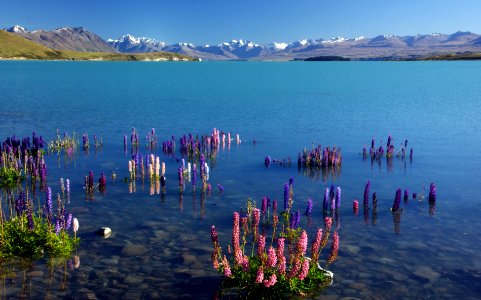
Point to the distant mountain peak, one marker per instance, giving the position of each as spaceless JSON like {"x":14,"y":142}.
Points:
{"x":17,"y":29}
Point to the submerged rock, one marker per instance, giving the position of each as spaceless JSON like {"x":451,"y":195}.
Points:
{"x":104,"y":231}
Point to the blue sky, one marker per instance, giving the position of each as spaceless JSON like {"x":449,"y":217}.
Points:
{"x":261,"y":21}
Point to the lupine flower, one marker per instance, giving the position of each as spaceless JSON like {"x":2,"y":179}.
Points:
{"x":91,"y":180}
{"x":309,"y":207}
{"x":236,"y":238}
{"x":181,"y":179}
{"x":331,"y":192}
{"x":397,"y":201}
{"x":264,"y":206}
{"x":49,"y":203}
{"x":57,"y":227}
{"x":334,"y":248}
{"x":274,"y":205}
{"x":432,"y":193}
{"x":260,"y":275}
{"x":295,"y":268}
{"x":261,"y":245}
{"x":315,"y":246}
{"x":69,"y":222}
{"x":281,"y":265}
{"x":75,"y":225}
{"x":304,"y":270}
{"x":366,"y":192}
{"x":68,"y":187}
{"x":272,"y":281}
{"x":302,"y":244}
{"x":257,"y":217}
{"x":245,"y":263}
{"x":325,"y":203}
{"x":271,"y":257}
{"x":30,"y":219}
{"x":374,"y":201}
{"x":286,"y":197}
{"x":102,"y":180}
{"x":328,"y":223}
{"x":225,"y":264}
{"x":338,"y":197}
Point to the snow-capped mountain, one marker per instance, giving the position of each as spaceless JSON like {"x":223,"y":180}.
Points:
{"x":66,"y":38}
{"x":130,"y":44}
{"x":379,"y":47}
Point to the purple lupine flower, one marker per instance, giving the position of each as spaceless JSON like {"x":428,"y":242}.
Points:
{"x":30,"y":219}
{"x":432,"y":193}
{"x":48,"y":205}
{"x":297,"y":218}
{"x":181,"y":179}
{"x":338,"y":197}
{"x":57,"y":227}
{"x":20,"y":204}
{"x":325,"y":203}
{"x":366,"y":192}
{"x":397,"y":201}
{"x":194,"y":174}
{"x":68,"y":187}
{"x":286,"y":196}
{"x":309,"y":207}
{"x":69,"y":222}
{"x":406,"y":195}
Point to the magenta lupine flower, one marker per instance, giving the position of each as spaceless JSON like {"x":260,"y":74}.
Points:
{"x":316,"y":245}
{"x":261,"y":245}
{"x":272,"y":281}
{"x":366,"y":192}
{"x":281,"y":265}
{"x":91,"y":180}
{"x":302,"y":244}
{"x":397,"y":201}
{"x":257,"y":217}
{"x":236,"y":239}
{"x":334,"y":248}
{"x":355,"y":207}
{"x":214,"y":236}
{"x":304,"y":270}
{"x":102,"y":181}
{"x":338,"y":197}
{"x":328,"y":223}
{"x":271,"y":257}
{"x":245,"y":263}
{"x":309,"y":207}
{"x":260,"y":275}
{"x":432,"y":193}
{"x":264,"y":206}
{"x":325,"y":203}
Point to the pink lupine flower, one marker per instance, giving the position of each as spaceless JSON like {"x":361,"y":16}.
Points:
{"x":281,"y":265}
{"x":304,"y":270}
{"x":235,"y":239}
{"x":295,"y":268}
{"x":271,"y":281}
{"x":260,"y":275}
{"x":328,"y":223}
{"x":257,"y":217}
{"x":302,"y":244}
{"x":245,"y":263}
{"x":334,"y":248}
{"x":271,"y":257}
{"x":316,"y":245}
{"x":225,"y":264}
{"x":280,"y":247}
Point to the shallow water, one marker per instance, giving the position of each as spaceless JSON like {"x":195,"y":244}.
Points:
{"x":160,"y":246}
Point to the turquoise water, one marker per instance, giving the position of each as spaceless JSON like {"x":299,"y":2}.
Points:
{"x":284,"y":107}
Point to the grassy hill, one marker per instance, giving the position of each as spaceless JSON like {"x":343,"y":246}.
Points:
{"x":459,"y":56}
{"x":15,"y":47}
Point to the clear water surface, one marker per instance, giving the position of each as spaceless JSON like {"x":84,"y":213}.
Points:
{"x":284,"y":107}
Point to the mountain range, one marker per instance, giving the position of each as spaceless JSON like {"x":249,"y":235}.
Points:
{"x":379,"y":47}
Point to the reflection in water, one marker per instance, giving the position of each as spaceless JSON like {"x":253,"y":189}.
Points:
{"x":396,"y":217}
{"x":366,"y":214}
{"x":432,"y":208}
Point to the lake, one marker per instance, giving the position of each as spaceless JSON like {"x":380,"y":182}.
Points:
{"x":160,"y":246}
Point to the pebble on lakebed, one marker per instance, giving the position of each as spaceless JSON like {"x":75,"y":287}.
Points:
{"x":104,"y":231}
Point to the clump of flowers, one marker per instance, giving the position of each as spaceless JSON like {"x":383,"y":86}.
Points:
{"x":319,"y":157}
{"x":257,"y":267}
{"x":377,"y":153}
{"x":32,"y":234}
